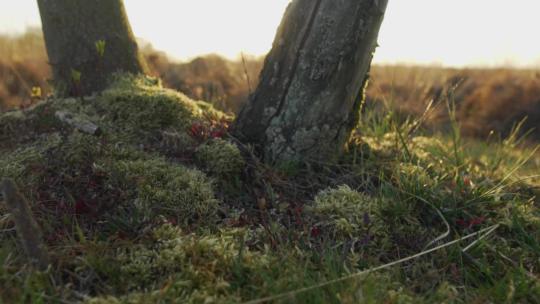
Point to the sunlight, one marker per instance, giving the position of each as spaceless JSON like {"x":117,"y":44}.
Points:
{"x":190,"y":28}
{"x":461,"y":33}
{"x":160,"y":166}
{"x":441,"y":32}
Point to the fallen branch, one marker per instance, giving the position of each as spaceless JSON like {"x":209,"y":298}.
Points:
{"x":78,"y":123}
{"x":27,"y":228}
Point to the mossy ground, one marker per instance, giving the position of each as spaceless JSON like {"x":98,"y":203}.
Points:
{"x":163,"y":207}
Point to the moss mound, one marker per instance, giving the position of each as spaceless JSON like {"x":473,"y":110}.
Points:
{"x":130,"y":216}
{"x":139,"y":106}
{"x":134,"y":109}
{"x":105,"y":188}
{"x":160,"y":188}
{"x":116,"y":179}
{"x":345,"y":213}
{"x":220,"y":158}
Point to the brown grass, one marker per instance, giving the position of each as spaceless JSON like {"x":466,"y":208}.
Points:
{"x":212,"y":78}
{"x":23,"y":65}
{"x":486,"y":99}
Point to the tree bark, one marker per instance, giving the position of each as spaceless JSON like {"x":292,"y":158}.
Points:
{"x":312,"y":83}
{"x":87,"y":42}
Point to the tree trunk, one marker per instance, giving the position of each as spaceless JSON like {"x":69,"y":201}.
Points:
{"x":88,"y":41}
{"x":311,"y":89}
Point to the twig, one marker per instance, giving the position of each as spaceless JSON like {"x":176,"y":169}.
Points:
{"x":480,"y":238}
{"x":246,"y":72}
{"x":445,"y":234}
{"x":441,"y":215}
{"x":27,"y":228}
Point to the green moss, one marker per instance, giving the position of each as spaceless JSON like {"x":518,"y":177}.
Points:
{"x":345,"y":213}
{"x":220,"y":157}
{"x":109,"y":174}
{"x":142,"y":108}
{"x":134,"y":109}
{"x":162,"y":188}
{"x":8,"y":121}
{"x":98,"y":187}
{"x":174,"y":266}
{"x":88,"y":176}
{"x":138,"y":105}
{"x":176,"y":142}
{"x":21,"y":164}
{"x":24,"y":127}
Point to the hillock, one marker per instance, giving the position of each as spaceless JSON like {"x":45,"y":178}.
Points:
{"x":143,"y":196}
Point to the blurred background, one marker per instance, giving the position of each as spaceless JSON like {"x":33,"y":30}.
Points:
{"x":482,"y":55}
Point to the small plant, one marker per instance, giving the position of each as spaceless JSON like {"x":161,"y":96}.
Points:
{"x":76,"y":76}
{"x":100,"y":48}
{"x":36,"y":93}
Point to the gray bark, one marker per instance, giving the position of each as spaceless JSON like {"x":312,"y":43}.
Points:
{"x":312,"y":83}
{"x":87,"y":41}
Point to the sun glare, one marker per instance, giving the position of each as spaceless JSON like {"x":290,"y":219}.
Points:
{"x":461,"y":32}
{"x":190,"y":28}
{"x":442,"y":32}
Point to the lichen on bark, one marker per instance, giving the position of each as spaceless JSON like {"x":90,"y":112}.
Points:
{"x":311,"y":89}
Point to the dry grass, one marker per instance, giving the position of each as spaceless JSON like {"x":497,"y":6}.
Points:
{"x":23,"y":66}
{"x":212,"y":78}
{"x":486,"y":99}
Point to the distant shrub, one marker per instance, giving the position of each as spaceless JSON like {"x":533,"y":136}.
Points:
{"x":486,"y":99}
{"x":224,"y":83}
{"x":23,"y":66}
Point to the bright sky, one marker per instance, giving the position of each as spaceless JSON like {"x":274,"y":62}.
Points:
{"x":444,"y":32}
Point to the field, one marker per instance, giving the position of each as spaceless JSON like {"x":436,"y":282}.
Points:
{"x":486,"y":100}
{"x":436,"y":200}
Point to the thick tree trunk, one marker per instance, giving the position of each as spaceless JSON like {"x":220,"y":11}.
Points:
{"x":87,"y":41}
{"x":312,"y":83}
